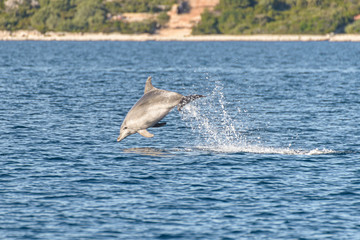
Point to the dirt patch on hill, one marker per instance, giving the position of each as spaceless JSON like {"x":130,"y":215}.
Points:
{"x":181,"y":24}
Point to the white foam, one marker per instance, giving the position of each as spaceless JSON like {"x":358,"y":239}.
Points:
{"x":264,"y":150}
{"x":219,"y":132}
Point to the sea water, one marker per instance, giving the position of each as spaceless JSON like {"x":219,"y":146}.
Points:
{"x":271,"y":152}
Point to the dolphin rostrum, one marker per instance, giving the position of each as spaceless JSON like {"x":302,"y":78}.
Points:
{"x":153,"y":106}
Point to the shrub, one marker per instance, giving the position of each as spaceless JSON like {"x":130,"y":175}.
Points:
{"x":208,"y":24}
{"x":163,"y":18}
{"x":353,"y":27}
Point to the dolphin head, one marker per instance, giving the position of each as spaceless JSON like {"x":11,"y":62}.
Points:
{"x":124,"y":132}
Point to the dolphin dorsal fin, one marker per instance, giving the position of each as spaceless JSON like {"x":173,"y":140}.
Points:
{"x":148,"y":85}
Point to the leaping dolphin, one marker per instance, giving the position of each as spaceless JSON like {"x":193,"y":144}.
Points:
{"x":153,"y":106}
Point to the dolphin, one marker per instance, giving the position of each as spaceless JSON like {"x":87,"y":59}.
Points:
{"x":153,"y":106}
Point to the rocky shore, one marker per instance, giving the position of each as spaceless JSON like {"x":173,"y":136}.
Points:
{"x":65,"y":36}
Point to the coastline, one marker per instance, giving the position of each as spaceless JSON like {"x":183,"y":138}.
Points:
{"x":23,"y":35}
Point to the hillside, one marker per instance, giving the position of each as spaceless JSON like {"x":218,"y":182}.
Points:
{"x":163,"y":18}
{"x":281,"y":17}
{"x":83,"y":15}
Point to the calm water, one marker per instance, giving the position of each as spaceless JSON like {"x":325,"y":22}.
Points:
{"x":272,"y":152}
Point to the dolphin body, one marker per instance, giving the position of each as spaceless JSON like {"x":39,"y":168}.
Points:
{"x":153,"y":106}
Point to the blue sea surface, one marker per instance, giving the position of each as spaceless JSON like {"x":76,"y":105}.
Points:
{"x":271,"y":152}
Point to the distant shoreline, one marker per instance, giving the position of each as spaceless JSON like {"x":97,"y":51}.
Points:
{"x":23,"y":35}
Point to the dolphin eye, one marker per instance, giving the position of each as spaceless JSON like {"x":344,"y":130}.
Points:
{"x":125,"y":128}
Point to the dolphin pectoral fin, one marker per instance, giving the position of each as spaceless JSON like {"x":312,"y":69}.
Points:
{"x":145,"y":133}
{"x":159,"y":124}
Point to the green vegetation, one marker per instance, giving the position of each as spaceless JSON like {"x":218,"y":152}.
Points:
{"x":228,"y":17}
{"x":82,"y":15}
{"x":353,"y":27}
{"x":152,"y":6}
{"x":280,"y":17}
{"x":163,"y":18}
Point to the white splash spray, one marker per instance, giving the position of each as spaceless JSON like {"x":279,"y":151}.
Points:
{"x":218,"y":131}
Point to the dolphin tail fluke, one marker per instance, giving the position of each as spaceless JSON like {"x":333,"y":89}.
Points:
{"x":145,"y":133}
{"x":186,"y":99}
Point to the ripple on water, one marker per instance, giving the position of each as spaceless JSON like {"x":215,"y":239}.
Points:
{"x":270,"y":153}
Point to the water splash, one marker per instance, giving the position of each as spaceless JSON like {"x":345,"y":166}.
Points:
{"x":219,"y":131}
{"x":210,"y":119}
